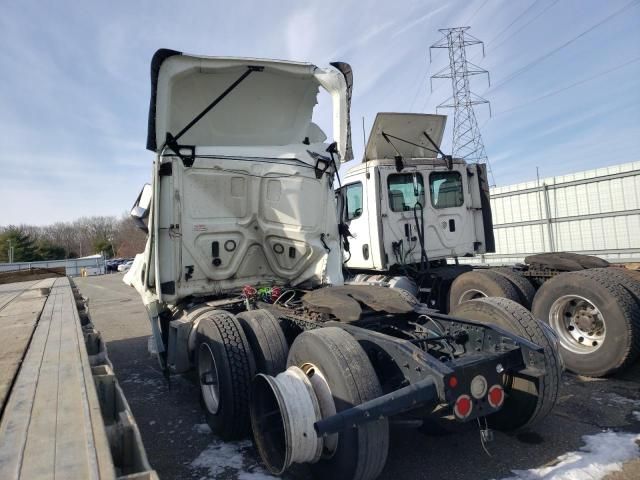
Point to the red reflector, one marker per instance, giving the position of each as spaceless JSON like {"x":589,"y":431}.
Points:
{"x":496,"y":396}
{"x":453,"y":382}
{"x":463,"y":406}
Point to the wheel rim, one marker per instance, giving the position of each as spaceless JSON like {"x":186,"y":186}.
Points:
{"x":579,"y":324}
{"x":327,"y":405}
{"x":208,"y":377}
{"x":471,"y":294}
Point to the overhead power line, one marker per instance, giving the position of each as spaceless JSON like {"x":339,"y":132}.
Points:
{"x":564,"y":45}
{"x":476,"y":12}
{"x":423,"y":79}
{"x":426,"y":101}
{"x":568,"y":87}
{"x":523,"y":26}
{"x":533,"y":4}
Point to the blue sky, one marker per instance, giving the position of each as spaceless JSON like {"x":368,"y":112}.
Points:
{"x":75,"y":82}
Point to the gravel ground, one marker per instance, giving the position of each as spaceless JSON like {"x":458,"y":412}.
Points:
{"x":180,"y":445}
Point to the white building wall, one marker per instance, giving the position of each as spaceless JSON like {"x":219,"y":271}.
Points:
{"x":594,"y":212}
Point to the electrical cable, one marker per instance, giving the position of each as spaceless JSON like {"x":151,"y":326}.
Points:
{"x":420,"y":231}
{"x":533,"y":4}
{"x":476,"y":12}
{"x":568,"y":87}
{"x":242,"y":172}
{"x":557,"y":49}
{"x":522,"y":27}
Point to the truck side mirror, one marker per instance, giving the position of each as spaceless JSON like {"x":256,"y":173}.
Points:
{"x":140,"y":209}
{"x":416,"y":188}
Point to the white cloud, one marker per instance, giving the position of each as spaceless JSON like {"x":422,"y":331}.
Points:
{"x":420,"y":20}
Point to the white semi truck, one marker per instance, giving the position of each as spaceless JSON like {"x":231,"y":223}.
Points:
{"x":411,"y":210}
{"x":242,"y":277}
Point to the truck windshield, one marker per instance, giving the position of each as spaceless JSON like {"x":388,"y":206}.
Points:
{"x":402,"y":195}
{"x":446,"y":189}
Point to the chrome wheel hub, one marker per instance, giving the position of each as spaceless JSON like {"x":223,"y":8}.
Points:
{"x":579,"y":324}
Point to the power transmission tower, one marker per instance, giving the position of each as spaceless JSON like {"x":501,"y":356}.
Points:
{"x":467,"y":141}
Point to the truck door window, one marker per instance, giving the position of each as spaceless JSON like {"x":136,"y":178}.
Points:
{"x":402,"y":194}
{"x":446,"y":189}
{"x":353,"y":197}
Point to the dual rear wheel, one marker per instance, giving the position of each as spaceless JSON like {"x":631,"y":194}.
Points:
{"x":595,"y":312}
{"x":231,"y":350}
{"x":498,"y":282}
{"x":596,"y":315}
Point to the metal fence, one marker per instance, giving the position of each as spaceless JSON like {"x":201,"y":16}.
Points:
{"x":74,"y":267}
{"x":595,"y":212}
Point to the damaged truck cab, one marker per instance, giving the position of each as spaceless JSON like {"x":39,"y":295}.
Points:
{"x":242,"y":277}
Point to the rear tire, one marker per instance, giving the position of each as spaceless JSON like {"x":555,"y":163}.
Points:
{"x":225,"y":369}
{"x":565,"y":261}
{"x":409,"y":297}
{"x":480,"y":284}
{"x":594,"y":306}
{"x":525,"y":288}
{"x":528,"y":401}
{"x":267,"y":340}
{"x":624,"y":278}
{"x":361,"y":452}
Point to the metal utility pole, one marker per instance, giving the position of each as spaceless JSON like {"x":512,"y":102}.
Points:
{"x":10,"y":251}
{"x":467,"y":141}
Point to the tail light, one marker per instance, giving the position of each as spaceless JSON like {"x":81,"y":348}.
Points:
{"x":479,"y":387}
{"x":463,"y":407}
{"x":496,"y":396}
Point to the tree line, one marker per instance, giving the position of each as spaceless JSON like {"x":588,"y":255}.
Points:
{"x":110,"y":235}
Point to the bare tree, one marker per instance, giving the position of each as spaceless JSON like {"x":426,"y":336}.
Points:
{"x":89,"y":235}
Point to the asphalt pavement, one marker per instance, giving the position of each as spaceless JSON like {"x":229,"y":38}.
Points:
{"x":180,"y":445}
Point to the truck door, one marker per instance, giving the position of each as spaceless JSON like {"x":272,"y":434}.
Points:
{"x":356,"y":216}
{"x":404,"y":191}
{"x":448,"y":221}
{"x":451,"y":227}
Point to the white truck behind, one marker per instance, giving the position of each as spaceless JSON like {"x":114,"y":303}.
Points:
{"x":413,"y":211}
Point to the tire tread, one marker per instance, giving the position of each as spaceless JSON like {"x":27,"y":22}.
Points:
{"x":241,"y":371}
{"x":628,"y":303}
{"x":266,"y":339}
{"x":482,"y":277}
{"x":530,"y":329}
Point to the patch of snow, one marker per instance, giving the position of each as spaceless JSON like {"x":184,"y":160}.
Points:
{"x":602,"y":454}
{"x":615,"y":400}
{"x":152,"y":346}
{"x":255,"y":476}
{"x":226,"y":457}
{"x":147,"y":381}
{"x":636,"y":416}
{"x":202,"y":428}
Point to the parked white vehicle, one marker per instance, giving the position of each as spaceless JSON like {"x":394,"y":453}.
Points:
{"x":123,"y":267}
